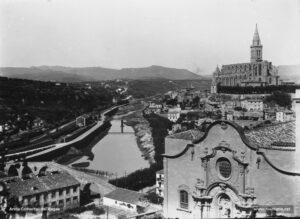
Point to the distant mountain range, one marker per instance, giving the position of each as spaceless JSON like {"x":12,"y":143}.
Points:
{"x":289,"y":73}
{"x":70,"y":74}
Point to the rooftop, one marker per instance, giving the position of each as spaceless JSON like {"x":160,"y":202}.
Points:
{"x":192,"y":134}
{"x":265,"y":136}
{"x":125,"y":195}
{"x":160,"y":171}
{"x":38,"y":184}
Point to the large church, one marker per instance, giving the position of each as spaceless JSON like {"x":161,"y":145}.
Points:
{"x":229,"y":173}
{"x":257,"y":72}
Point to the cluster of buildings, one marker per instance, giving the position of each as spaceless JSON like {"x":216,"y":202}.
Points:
{"x":227,"y":172}
{"x":255,"y":109}
{"x":238,"y":108}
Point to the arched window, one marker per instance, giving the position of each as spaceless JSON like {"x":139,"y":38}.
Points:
{"x":184,"y":199}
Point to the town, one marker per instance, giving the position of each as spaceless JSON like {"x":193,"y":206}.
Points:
{"x":150,"y":142}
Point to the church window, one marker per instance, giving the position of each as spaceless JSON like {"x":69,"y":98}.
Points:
{"x":224,"y":168}
{"x":184,"y":199}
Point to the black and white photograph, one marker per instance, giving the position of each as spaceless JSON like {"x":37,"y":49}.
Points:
{"x":149,"y":109}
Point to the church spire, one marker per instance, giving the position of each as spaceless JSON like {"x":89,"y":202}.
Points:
{"x":256,"y":39}
{"x":256,"y":47}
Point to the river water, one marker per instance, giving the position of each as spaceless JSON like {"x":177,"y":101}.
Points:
{"x":117,"y":153}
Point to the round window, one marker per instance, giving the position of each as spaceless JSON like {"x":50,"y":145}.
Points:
{"x":224,"y":168}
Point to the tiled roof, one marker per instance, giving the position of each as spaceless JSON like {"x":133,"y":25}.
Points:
{"x":126,"y":195}
{"x":188,"y":135}
{"x":35,"y":184}
{"x":160,"y":171}
{"x":264,"y":137}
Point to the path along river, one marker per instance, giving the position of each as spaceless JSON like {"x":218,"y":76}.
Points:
{"x":117,"y":152}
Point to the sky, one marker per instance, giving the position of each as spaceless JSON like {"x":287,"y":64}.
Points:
{"x":196,"y":35}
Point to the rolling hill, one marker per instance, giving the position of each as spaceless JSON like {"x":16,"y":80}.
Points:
{"x":71,"y":74}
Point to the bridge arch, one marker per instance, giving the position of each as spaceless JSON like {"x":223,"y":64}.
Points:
{"x":26,"y":170}
{"x":43,"y":170}
{"x":12,"y":171}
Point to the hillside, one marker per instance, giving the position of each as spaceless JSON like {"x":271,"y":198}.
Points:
{"x":146,"y":88}
{"x":70,"y":74}
{"x":289,"y":73}
{"x":52,"y":102}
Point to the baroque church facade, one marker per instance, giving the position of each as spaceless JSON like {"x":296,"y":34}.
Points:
{"x":225,"y":174}
{"x":257,"y":72}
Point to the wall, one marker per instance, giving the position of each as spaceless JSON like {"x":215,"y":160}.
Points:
{"x":119,"y":204}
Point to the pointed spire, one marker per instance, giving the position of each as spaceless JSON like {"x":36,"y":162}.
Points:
{"x":256,"y":39}
{"x":217,"y":71}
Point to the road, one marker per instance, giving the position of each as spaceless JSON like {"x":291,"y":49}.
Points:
{"x":50,"y":148}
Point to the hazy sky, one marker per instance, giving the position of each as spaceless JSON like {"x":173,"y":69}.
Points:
{"x":191,"y":34}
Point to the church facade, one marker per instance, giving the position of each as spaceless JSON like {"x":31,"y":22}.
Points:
{"x":225,"y":174}
{"x":257,"y":72}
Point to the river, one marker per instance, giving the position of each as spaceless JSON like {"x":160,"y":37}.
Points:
{"x":117,"y":153}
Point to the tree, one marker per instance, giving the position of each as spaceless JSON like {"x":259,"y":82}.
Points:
{"x":281,"y":98}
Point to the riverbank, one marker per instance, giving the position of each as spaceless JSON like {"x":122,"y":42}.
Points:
{"x":142,"y":129}
{"x":147,"y":177}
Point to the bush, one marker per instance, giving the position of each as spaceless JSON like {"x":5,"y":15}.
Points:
{"x":258,"y":90}
{"x":281,"y":98}
{"x":154,"y":198}
{"x":80,"y":209}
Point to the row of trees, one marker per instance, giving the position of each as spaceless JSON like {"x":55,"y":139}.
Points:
{"x":257,"y":90}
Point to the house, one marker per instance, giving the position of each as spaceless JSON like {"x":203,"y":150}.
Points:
{"x":155,"y":108}
{"x":174,"y":113}
{"x":229,"y":116}
{"x":176,"y":127}
{"x":269,"y":114}
{"x":171,"y":94}
{"x":229,"y":105}
{"x":84,"y":120}
{"x":51,"y":189}
{"x":252,"y":104}
{"x":125,"y":199}
{"x":284,"y":116}
{"x":160,"y":183}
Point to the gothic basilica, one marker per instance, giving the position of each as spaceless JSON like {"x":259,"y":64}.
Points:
{"x":257,"y":72}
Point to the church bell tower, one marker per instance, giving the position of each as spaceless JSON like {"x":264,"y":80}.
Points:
{"x":256,"y":47}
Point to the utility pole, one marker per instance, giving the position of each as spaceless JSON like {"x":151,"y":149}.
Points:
{"x":106,"y":212}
